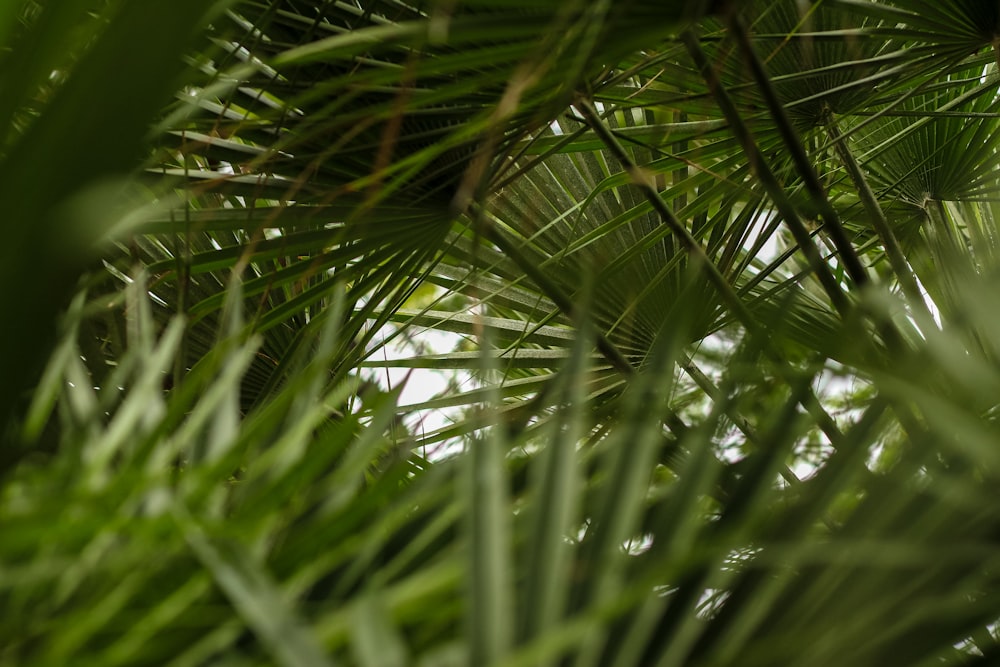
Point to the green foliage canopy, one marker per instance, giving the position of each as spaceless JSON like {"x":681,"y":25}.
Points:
{"x":724,"y":276}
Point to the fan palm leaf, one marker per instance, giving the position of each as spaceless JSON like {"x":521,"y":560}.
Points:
{"x":704,"y":412}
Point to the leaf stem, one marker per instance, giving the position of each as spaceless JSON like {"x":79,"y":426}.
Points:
{"x":832,"y":223}
{"x":803,"y":237}
{"x":714,"y":275}
{"x":876,"y":215}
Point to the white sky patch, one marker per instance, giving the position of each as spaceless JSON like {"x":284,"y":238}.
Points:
{"x":638,"y":545}
{"x":710,"y":602}
{"x":931,"y":306}
{"x":770,"y":249}
{"x":421,"y":384}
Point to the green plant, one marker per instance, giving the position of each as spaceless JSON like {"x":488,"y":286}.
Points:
{"x":725,"y":279}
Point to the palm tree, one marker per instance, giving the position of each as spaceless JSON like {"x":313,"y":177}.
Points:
{"x":723,"y":276}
